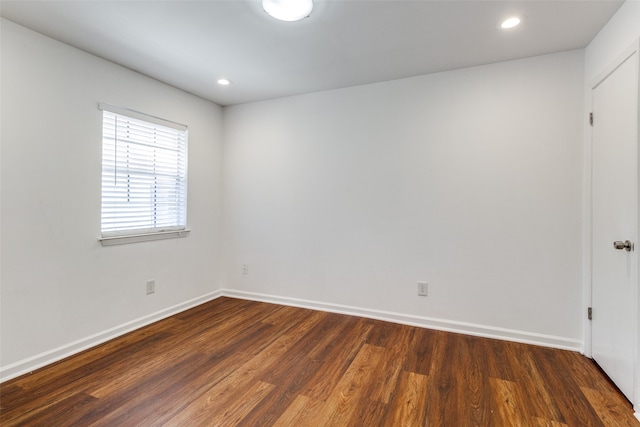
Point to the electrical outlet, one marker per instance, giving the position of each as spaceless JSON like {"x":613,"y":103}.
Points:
{"x":245,"y":269}
{"x":151,"y":286}
{"x":422,"y":289}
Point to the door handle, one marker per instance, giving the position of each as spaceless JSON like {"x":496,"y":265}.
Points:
{"x":626,"y":245}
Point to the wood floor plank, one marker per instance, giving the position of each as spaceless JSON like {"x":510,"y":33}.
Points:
{"x":173,"y":397}
{"x":610,"y":407}
{"x":474,"y":383}
{"x":238,"y":383}
{"x":421,"y":350}
{"x":298,"y":413}
{"x":340,"y":353}
{"x":444,"y":392}
{"x":217,"y":364}
{"x":391,"y":364}
{"x":283,"y":394}
{"x":217,"y":310}
{"x":574,"y":407}
{"x":407,"y":407}
{"x":125,"y":344}
{"x":354,"y":384}
{"x":235,"y":410}
{"x":63,"y":413}
{"x":103,"y":365}
{"x":541,"y":397}
{"x":58,"y":388}
{"x":151,"y":399}
{"x":262,"y":366}
{"x":541,"y":422}
{"x":366,"y":412}
{"x":338,"y":336}
{"x":293,"y":372}
{"x":498,"y":355}
{"x":231,"y":362}
{"x":507,"y":403}
{"x":280,"y":373}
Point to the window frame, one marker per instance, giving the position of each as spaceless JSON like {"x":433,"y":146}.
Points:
{"x":133,"y":235}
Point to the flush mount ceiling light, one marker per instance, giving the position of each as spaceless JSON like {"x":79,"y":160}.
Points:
{"x":224,"y":82}
{"x":288,"y":10}
{"x":514,"y":21}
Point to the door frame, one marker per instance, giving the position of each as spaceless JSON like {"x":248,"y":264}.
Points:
{"x":588,"y":284}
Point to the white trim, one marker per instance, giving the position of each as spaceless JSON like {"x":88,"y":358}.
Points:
{"x":484,"y":331}
{"x":586,"y":233}
{"x":637,"y":415}
{"x":141,"y":116}
{"x":145,"y":237}
{"x":622,"y":58}
{"x":29,"y":364}
{"x":39,"y":360}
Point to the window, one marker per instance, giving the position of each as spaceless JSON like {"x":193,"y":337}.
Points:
{"x":144,"y":177}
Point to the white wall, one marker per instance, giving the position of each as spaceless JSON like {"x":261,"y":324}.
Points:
{"x":469,"y":180}
{"x":60,"y":289}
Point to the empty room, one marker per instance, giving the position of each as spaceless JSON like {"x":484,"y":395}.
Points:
{"x":319,"y":213}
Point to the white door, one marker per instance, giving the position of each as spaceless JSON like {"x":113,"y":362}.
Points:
{"x":615,"y":218}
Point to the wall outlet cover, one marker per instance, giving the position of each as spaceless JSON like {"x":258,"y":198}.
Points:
{"x":151,"y":286}
{"x":422,"y":289}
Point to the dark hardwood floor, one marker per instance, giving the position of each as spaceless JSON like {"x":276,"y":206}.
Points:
{"x":234,"y":362}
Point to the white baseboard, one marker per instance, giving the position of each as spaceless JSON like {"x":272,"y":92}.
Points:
{"x":525,"y":337}
{"x":27,"y":365}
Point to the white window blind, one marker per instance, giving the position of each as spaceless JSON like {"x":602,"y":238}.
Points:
{"x":144,"y":173}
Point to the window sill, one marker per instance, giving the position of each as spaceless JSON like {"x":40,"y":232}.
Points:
{"x":147,"y":237}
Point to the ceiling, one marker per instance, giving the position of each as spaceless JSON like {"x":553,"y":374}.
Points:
{"x":191,"y":44}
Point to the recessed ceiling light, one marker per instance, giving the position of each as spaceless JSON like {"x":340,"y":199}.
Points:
{"x":288,"y":10}
{"x":224,"y":82}
{"x":514,"y":21}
